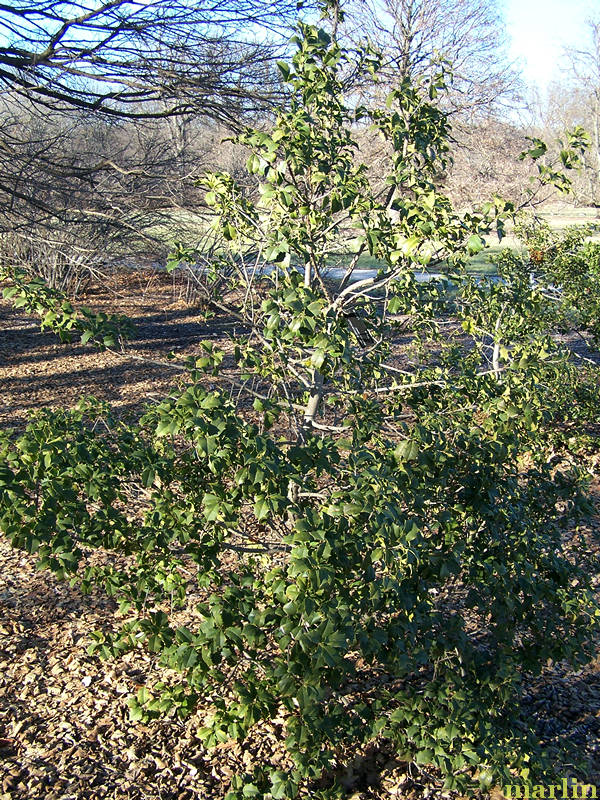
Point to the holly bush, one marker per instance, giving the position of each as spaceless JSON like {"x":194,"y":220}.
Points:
{"x":59,"y":315}
{"x":565,"y":265}
{"x":368,"y":541}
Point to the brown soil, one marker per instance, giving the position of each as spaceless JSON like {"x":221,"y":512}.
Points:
{"x":37,"y":370}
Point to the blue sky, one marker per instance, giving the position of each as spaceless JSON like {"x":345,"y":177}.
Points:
{"x":539,"y":29}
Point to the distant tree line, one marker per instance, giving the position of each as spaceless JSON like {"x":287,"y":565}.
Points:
{"x":576,"y":101}
{"x":109,"y":111}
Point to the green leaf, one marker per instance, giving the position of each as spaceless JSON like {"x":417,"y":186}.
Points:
{"x":475,"y":244}
{"x":262,"y":508}
{"x":407,"y":450}
{"x":148,"y":475}
{"x":284,"y":69}
{"x":212,"y":507}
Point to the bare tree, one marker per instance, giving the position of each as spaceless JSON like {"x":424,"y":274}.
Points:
{"x":486,"y":163}
{"x":578,"y":102}
{"x":415,"y":35}
{"x":110,"y":108}
{"x":141,"y":58}
{"x":100,"y":189}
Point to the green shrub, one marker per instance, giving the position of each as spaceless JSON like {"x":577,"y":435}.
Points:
{"x":377,"y":547}
{"x":566,"y":268}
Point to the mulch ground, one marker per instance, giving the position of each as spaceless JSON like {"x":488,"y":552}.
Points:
{"x":38,"y":370}
{"x":64,"y":725}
